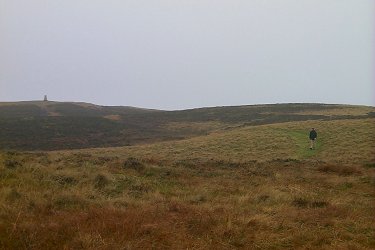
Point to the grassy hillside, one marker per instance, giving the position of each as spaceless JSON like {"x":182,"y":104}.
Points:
{"x":54,"y":125}
{"x":350,"y":141}
{"x":247,"y":187}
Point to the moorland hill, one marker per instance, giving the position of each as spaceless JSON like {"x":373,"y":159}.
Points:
{"x":240,"y":187}
{"x":46,"y":125}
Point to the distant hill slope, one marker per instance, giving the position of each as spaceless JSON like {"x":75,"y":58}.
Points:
{"x":66,"y":125}
{"x":47,"y":108}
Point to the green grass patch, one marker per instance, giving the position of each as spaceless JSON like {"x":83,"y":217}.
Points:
{"x":301,"y":140}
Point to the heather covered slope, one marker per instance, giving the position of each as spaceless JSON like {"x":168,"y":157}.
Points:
{"x":250,"y":187}
{"x":54,"y":125}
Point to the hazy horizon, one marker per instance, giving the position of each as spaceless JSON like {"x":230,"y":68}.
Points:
{"x":188,"y":54}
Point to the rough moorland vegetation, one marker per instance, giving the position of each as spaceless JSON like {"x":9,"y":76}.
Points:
{"x":55,"y":125}
{"x":250,"y":187}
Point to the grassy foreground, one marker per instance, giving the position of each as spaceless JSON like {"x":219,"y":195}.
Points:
{"x":246,"y":188}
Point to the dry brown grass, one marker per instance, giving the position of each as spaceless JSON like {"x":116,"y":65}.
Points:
{"x":200,"y":126}
{"x":343,"y":110}
{"x":113,"y":117}
{"x":242,"y":189}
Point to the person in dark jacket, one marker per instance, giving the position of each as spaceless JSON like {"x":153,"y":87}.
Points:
{"x":313,"y":136}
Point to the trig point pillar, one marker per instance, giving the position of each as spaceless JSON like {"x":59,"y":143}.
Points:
{"x":45,"y":98}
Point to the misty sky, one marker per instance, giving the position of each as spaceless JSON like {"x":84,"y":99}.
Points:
{"x":176,"y":54}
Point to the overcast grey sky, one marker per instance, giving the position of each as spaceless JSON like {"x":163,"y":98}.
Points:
{"x":176,"y":54}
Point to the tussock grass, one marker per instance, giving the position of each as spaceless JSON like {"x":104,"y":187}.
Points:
{"x":340,"y":170}
{"x":342,"y":141}
{"x":247,"y":188}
